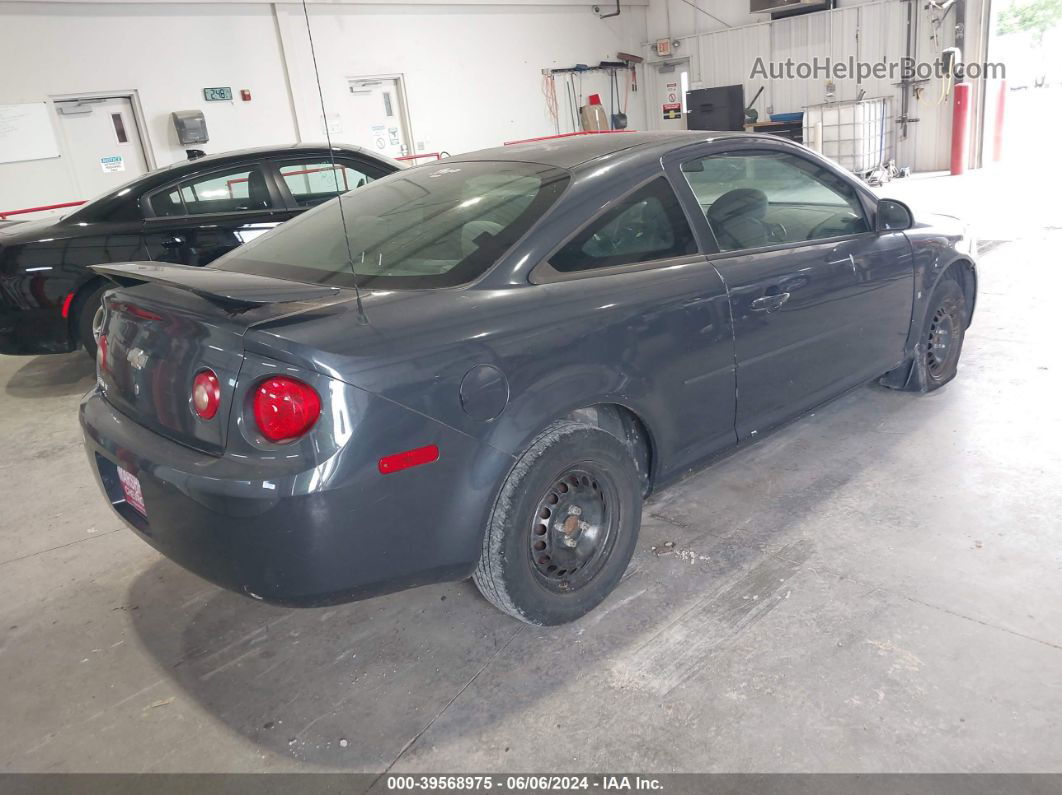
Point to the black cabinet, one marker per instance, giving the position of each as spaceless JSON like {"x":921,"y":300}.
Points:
{"x":719,"y":108}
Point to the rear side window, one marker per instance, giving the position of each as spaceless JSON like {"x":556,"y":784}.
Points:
{"x":313,"y":182}
{"x":647,"y":225}
{"x":124,"y":211}
{"x":239,"y":190}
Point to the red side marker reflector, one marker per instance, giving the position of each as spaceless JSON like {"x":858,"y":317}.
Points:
{"x":66,"y":304}
{"x":408,"y":459}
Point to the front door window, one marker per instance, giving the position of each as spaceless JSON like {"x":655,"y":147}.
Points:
{"x":763,"y":199}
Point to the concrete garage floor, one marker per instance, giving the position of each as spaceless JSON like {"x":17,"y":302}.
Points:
{"x":875,"y":588}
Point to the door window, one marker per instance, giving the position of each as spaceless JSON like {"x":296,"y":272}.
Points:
{"x":647,"y":225}
{"x":119,"y":128}
{"x":239,"y":190}
{"x":770,"y":198}
{"x":313,"y":182}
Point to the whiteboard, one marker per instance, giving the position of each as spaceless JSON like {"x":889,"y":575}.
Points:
{"x":26,"y":133}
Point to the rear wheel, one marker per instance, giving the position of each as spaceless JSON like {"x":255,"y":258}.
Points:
{"x":564,"y":527}
{"x":89,"y":318}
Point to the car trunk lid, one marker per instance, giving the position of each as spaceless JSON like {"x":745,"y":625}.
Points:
{"x":167,"y":323}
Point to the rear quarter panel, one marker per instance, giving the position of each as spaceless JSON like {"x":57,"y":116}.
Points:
{"x":657,"y":342}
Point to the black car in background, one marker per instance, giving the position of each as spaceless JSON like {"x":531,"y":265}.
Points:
{"x":189,"y":213}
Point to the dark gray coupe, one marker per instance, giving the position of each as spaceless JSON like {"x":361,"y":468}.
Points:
{"x":482,"y":366}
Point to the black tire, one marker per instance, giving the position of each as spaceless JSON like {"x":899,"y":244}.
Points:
{"x":84,"y":311}
{"x":943,"y":332}
{"x":939,"y":342}
{"x":569,"y":466}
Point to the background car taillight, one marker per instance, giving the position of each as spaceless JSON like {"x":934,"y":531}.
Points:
{"x":285,"y":408}
{"x":206,"y":394}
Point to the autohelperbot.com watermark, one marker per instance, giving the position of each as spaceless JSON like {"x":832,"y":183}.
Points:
{"x":845,"y":68}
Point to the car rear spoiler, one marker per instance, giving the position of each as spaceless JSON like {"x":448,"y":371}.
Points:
{"x":228,"y":287}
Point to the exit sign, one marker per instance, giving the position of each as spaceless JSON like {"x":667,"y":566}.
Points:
{"x":219,"y":94}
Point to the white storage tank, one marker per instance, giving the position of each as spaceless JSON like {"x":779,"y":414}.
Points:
{"x":857,"y":134}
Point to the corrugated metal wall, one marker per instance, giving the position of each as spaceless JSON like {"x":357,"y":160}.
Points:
{"x":870,"y":32}
{"x":726,"y":54}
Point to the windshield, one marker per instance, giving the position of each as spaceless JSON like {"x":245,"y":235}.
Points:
{"x":433,"y":226}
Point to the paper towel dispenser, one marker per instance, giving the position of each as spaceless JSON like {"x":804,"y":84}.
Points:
{"x":191,"y":126}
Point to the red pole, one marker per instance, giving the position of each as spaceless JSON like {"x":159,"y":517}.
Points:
{"x":1001,"y":105}
{"x":960,"y":115}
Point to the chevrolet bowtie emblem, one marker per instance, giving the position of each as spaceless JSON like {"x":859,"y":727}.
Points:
{"x":137,"y":358}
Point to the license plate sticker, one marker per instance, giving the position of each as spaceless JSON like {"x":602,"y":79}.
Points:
{"x":131,"y":487}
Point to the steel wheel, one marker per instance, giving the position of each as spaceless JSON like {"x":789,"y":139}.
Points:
{"x":574,"y":528}
{"x":940,"y":347}
{"x":563,"y":527}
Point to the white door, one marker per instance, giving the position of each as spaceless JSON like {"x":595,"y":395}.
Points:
{"x":100,"y":143}
{"x":379,"y":117}
{"x":668,"y":110}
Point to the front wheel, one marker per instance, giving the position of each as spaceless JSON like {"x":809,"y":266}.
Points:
{"x":939,"y":342}
{"x":943,"y":333}
{"x":564,"y":526}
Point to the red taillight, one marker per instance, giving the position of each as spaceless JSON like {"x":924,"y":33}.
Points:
{"x":285,"y":408}
{"x":206,"y":394}
{"x":66,"y":304}
{"x":410,"y":458}
{"x":101,"y":352}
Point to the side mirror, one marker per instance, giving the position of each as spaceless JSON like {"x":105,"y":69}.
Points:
{"x":894,"y":216}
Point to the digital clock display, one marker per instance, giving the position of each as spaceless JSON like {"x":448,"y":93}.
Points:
{"x":219,"y":94}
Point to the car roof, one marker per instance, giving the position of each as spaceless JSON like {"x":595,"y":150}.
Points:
{"x":236,"y":155}
{"x":572,"y":151}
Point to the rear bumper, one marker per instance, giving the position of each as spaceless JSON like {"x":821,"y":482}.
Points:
{"x":33,"y":331}
{"x":336,"y":532}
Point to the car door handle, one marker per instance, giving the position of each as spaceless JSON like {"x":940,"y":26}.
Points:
{"x":769,"y":303}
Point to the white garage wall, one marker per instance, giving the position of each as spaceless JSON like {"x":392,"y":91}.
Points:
{"x":679,"y":18}
{"x":472,"y":74}
{"x":166,"y":53}
{"x":472,"y":69}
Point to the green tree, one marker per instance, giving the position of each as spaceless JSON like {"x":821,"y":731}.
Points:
{"x":1036,"y":17}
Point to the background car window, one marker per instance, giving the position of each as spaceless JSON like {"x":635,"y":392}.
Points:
{"x":167,"y":203}
{"x":123,"y":211}
{"x":239,"y":190}
{"x":765,"y":199}
{"x":647,"y":225}
{"x":311,"y":183}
